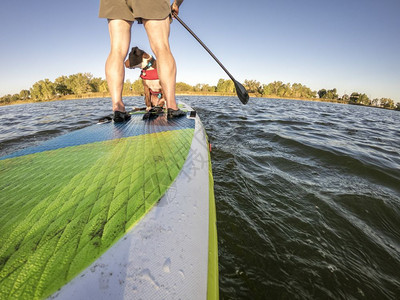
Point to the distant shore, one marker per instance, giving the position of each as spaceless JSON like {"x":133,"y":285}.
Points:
{"x":186,"y":93}
{"x":84,"y":85}
{"x":218,"y":94}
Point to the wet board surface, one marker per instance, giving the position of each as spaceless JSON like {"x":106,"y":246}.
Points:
{"x":111,"y":210}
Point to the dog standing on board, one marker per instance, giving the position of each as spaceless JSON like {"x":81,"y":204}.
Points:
{"x":153,"y":93}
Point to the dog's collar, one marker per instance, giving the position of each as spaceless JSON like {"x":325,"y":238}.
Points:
{"x":149,"y":64}
{"x":149,"y":74}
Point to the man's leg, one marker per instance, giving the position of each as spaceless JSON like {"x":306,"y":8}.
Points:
{"x":120,"y":37}
{"x":158,"y":34}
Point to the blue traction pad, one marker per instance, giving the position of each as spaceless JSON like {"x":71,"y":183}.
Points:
{"x":108,"y":131}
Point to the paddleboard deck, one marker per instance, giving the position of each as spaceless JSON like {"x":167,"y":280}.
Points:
{"x":111,"y":211}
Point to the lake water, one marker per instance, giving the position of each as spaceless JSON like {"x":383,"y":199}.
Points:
{"x":307,"y":193}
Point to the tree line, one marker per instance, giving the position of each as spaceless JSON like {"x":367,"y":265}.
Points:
{"x":82,"y":84}
{"x":297,"y":90}
{"x":358,"y":98}
{"x":77,"y":84}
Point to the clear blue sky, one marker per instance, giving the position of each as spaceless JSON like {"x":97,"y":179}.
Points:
{"x":351,"y":45}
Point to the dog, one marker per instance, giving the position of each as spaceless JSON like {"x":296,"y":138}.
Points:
{"x":153,"y":94}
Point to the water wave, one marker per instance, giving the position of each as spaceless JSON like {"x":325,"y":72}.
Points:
{"x":307,"y":193}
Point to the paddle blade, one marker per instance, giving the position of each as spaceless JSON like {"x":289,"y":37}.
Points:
{"x":241,"y":92}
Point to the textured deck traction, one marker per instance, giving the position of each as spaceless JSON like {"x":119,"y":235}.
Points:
{"x":65,"y":202}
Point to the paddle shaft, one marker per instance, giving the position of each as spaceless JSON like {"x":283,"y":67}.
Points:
{"x":204,"y":46}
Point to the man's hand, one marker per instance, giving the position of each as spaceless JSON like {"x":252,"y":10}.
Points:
{"x":175,"y":7}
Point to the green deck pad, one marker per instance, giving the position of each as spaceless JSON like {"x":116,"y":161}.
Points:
{"x":61,"y":209}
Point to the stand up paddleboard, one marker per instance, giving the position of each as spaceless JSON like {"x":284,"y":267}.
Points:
{"x":111,"y":211}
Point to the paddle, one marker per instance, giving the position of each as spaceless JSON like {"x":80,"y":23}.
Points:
{"x":240,"y":90}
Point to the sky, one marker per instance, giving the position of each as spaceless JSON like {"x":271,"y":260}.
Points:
{"x":350,"y":45}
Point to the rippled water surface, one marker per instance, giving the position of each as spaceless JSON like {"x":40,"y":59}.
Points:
{"x":307,"y":193}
